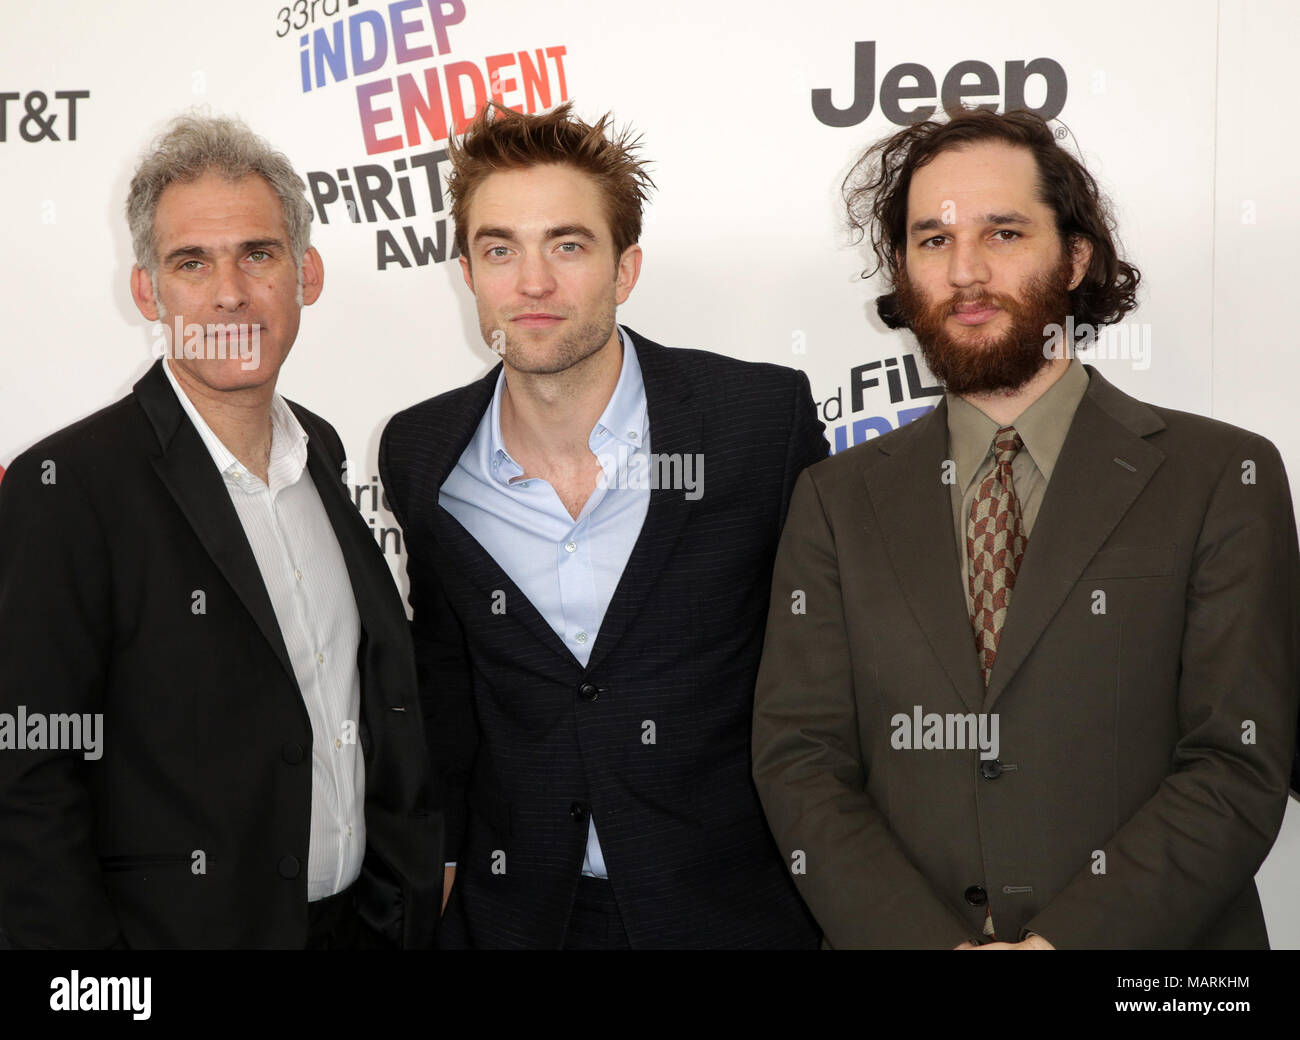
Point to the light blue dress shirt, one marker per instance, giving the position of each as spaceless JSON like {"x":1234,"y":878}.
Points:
{"x":567,"y":568}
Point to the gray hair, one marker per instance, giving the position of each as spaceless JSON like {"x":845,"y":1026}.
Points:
{"x":194,"y":145}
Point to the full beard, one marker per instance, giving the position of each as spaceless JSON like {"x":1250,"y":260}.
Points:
{"x":982,"y":363}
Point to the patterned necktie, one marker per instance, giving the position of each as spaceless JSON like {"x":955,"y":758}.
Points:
{"x":995,"y":542}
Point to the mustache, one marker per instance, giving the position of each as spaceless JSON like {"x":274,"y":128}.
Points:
{"x":979,"y":298}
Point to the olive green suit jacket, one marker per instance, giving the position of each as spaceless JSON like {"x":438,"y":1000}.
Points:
{"x":1145,"y":690}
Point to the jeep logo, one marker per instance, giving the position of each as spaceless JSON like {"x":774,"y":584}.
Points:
{"x":966,"y":79}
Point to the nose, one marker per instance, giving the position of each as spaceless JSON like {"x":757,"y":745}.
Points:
{"x":536,"y":279}
{"x":967,"y":264}
{"x":229,"y":288}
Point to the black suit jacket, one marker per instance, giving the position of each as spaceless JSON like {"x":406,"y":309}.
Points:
{"x":108,"y":529}
{"x":531,"y":742}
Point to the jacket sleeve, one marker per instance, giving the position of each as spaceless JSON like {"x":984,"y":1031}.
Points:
{"x":808,"y":442}
{"x":1173,"y":868}
{"x":808,"y":764}
{"x":441,"y":658}
{"x":56,"y":635}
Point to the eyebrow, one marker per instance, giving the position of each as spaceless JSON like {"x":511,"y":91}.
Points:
{"x":560,"y":231}
{"x":935,"y":224}
{"x":571,"y":231}
{"x":260,"y":243}
{"x":202,"y":252}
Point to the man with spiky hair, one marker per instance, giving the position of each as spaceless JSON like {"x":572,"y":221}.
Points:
{"x":1044,"y":690}
{"x":590,"y":532}
{"x":209,"y":593}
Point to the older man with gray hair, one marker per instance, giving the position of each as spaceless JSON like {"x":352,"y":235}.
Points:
{"x":211,"y":606}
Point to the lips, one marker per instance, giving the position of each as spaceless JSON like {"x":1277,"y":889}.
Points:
{"x":975,"y":313}
{"x":537,"y":320}
{"x":216,"y":328}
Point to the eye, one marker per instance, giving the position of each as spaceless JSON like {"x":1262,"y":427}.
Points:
{"x":497,"y":252}
{"x":933,"y":243}
{"x":564,"y":247}
{"x":1007,"y":231}
{"x":191,"y":265}
{"x":258,"y":255}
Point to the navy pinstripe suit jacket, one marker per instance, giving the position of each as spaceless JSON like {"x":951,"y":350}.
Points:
{"x":527,"y":742}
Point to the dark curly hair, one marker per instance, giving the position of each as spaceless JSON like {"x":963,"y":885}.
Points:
{"x":875,"y":192}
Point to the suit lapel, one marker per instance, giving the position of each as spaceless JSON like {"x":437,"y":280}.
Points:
{"x":186,"y":470}
{"x":465,"y":552}
{"x":356,"y":541}
{"x":1104,"y":464}
{"x":378,"y":609}
{"x":675,"y":424}
{"x":675,"y":429}
{"x":914,"y":509}
{"x":461,"y":548}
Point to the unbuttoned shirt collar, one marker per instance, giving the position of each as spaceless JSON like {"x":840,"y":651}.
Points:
{"x":623,"y":422}
{"x":288,"y":445}
{"x":1042,"y":426}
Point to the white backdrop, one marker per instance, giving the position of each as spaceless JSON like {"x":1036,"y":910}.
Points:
{"x":1171,"y":105}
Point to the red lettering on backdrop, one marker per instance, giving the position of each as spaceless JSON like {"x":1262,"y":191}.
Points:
{"x":499,"y":84}
{"x":370,"y":116}
{"x":557,"y":53}
{"x":537,"y":84}
{"x":418,"y":107}
{"x":454,"y":72}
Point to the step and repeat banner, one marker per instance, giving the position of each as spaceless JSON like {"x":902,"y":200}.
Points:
{"x":751,"y":111}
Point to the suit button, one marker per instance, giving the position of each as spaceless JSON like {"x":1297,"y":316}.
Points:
{"x":578,"y":811}
{"x":589,"y":691}
{"x":976,"y":896}
{"x":291,"y":752}
{"x":991,"y":768}
{"x":289,"y":867}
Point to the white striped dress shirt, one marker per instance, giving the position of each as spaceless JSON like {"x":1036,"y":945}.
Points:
{"x":307,"y":581}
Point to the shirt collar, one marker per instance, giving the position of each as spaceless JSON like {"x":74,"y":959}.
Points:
{"x":624,"y":418}
{"x":288,"y":443}
{"x":1042,"y":426}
